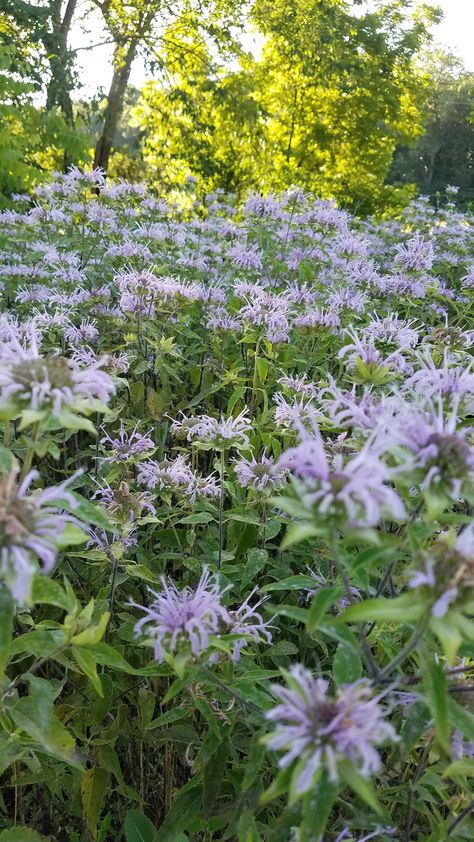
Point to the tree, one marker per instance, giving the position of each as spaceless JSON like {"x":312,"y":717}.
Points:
{"x":146,"y":24}
{"x":324,"y":107}
{"x":444,"y":153}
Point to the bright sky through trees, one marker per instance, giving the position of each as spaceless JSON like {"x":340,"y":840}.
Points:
{"x":454,"y":33}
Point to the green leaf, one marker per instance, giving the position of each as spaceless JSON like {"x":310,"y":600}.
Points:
{"x":247,"y":829}
{"x":448,"y":633}
{"x":361,"y":786}
{"x":346,"y":667}
{"x":182,"y":813}
{"x":406,"y":608}
{"x":93,"y":634}
{"x":436,"y":690}
{"x":88,"y":666}
{"x":317,"y":806}
{"x":138,"y":828}
{"x":198,"y":517}
{"x":35,"y":714}
{"x":49,"y":592}
{"x":90,"y":513}
{"x":292,"y":583}
{"x":71,"y":535}
{"x":6,"y":628}
{"x":461,"y":719}
{"x":94,"y":785}
{"x":320,"y":603}
{"x":256,"y":561}
{"x":21,"y":834}
{"x":463,"y":767}
{"x":298,"y":533}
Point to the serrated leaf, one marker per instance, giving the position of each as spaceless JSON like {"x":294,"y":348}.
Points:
{"x":35,"y":714}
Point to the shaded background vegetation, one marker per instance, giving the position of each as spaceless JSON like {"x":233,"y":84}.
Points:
{"x":349,"y":103}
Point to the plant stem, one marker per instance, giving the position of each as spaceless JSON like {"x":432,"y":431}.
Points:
{"x":253,"y":397}
{"x":221,"y":508}
{"x":31,"y":450}
{"x":238,"y":698}
{"x":407,"y":649}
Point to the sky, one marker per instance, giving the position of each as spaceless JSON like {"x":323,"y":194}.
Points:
{"x":455,"y":32}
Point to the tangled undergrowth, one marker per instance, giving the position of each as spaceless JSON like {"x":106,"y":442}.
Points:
{"x":237,"y":547}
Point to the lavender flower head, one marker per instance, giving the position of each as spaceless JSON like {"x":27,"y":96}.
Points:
{"x":355,"y":492}
{"x":31,"y":381}
{"x":212,"y":432}
{"x":259,"y":473}
{"x":320,"y":730}
{"x":185,"y":618}
{"x":184,"y":621}
{"x":126,"y":446}
{"x":30,"y":526}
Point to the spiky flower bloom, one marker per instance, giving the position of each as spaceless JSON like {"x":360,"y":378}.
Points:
{"x":391,"y":333}
{"x":185,"y":619}
{"x":414,"y":255}
{"x":320,"y":730}
{"x":219,"y":434}
{"x":447,"y":380}
{"x":434,"y":451}
{"x":126,"y":446}
{"x":31,"y":381}
{"x":258,"y":473}
{"x":176,"y":475}
{"x":30,"y":526}
{"x":448,"y":571}
{"x":355,"y":492}
{"x":291,"y":416}
{"x":298,"y":385}
{"x":124,"y":504}
{"x":362,"y":351}
{"x":248,"y":621}
{"x":350,"y":409}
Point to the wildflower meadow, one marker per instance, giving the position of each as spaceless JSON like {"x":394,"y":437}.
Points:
{"x":236,"y":530}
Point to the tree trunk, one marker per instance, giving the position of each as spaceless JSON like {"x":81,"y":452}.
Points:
{"x":114,"y":108}
{"x":59,"y":86}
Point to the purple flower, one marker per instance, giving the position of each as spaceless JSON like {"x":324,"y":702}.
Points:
{"x":355,"y":492}
{"x":343,"y":602}
{"x":258,"y":473}
{"x":30,"y":526}
{"x":436,"y":450}
{"x":223,"y":433}
{"x":292,"y":416}
{"x":176,"y":475}
{"x":31,"y":381}
{"x":183,"y":619}
{"x":447,"y":381}
{"x":319,"y":730}
{"x":124,"y":504}
{"x":248,"y":621}
{"x":415,"y":254}
{"x":126,"y":446}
